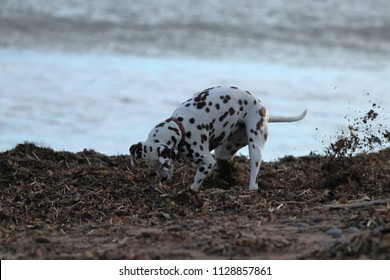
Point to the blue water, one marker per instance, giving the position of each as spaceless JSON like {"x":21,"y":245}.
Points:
{"x":86,"y":95}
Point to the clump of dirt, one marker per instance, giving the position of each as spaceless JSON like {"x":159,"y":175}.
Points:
{"x":86,"y":205}
{"x":363,"y":134}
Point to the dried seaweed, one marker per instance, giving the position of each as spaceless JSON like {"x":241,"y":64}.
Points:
{"x":56,"y":204}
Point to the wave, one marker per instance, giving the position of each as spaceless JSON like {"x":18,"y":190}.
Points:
{"x":353,"y":30}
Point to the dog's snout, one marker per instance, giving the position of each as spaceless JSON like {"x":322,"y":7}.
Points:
{"x":164,"y":176}
{"x":164,"y":173}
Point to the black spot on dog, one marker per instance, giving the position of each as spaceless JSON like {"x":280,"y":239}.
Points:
{"x":200,"y":99}
{"x":221,"y":118}
{"x":253,"y":131}
{"x":226,"y":99}
{"x":174,"y":129}
{"x":160,"y":125}
{"x":200,"y":105}
{"x":174,"y":140}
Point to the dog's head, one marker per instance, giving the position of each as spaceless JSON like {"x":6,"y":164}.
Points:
{"x":158,"y":157}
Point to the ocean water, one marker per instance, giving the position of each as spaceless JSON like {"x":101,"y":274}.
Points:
{"x":100,"y":74}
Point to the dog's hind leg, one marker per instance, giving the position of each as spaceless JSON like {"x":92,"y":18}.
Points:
{"x":257,"y":135}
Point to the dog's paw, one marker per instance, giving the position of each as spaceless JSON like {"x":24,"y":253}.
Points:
{"x":194,"y":188}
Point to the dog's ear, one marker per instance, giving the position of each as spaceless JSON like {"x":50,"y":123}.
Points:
{"x":136,"y":152}
{"x":136,"y":149}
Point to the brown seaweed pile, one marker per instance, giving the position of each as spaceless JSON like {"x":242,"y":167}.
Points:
{"x":86,"y":205}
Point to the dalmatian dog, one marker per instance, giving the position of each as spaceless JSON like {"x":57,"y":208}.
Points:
{"x":224,"y":119}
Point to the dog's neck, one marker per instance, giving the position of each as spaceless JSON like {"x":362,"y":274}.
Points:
{"x":170,"y":132}
{"x":181,"y":128}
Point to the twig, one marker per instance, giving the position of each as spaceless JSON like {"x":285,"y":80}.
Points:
{"x":217,"y":192}
{"x":359,"y":204}
{"x":314,"y":199}
{"x":35,"y":155}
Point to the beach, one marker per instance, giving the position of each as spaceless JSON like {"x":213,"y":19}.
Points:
{"x":86,"y":205}
{"x":81,"y":82}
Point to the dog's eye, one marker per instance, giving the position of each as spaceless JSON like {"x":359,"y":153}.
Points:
{"x":165,"y":152}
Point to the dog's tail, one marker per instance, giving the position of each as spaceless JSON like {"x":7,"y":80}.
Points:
{"x":287,"y":119}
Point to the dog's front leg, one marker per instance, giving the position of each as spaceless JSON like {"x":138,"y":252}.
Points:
{"x":205,"y":168}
